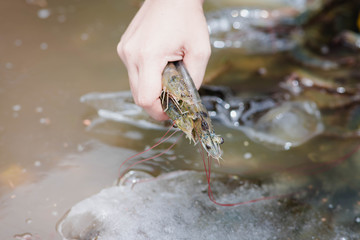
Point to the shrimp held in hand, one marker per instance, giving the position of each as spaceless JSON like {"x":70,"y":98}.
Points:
{"x":181,"y":102}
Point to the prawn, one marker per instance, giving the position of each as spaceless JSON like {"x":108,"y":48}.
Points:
{"x":181,"y":101}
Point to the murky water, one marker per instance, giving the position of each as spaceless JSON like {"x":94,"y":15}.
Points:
{"x":53,"y":54}
{"x":50,"y":56}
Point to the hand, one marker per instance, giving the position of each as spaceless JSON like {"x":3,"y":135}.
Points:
{"x":163,"y":31}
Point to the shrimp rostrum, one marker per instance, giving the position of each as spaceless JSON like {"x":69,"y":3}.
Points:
{"x":181,"y":102}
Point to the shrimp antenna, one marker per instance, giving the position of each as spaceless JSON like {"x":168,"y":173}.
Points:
{"x":161,"y":140}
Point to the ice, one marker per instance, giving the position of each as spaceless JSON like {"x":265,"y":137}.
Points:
{"x":176,"y":206}
{"x":119,"y":107}
{"x":290,"y":124}
{"x":281,"y":125}
{"x":284,"y":125}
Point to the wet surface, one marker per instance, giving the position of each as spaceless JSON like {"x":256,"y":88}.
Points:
{"x":53,"y":155}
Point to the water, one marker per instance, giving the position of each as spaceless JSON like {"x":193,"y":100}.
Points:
{"x":54,"y":52}
{"x":50,"y":57}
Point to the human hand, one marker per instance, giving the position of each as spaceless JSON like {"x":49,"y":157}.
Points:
{"x":163,"y":31}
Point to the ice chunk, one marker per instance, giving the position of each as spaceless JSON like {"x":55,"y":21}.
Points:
{"x":176,"y":206}
{"x":290,"y":124}
{"x":119,"y":107}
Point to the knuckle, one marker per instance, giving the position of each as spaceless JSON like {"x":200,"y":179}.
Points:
{"x":119,"y":48}
{"x":124,"y":49}
{"x":144,"y":102}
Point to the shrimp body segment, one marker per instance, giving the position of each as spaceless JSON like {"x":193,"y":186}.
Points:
{"x":182,"y":103}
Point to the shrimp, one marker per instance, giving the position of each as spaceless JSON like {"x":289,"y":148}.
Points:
{"x":182,"y":103}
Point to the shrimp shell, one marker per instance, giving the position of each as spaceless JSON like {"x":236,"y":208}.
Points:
{"x":182,"y":103}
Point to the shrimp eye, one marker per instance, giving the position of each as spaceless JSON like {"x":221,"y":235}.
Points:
{"x":208,"y":147}
{"x":221,"y":140}
{"x":204,"y":126}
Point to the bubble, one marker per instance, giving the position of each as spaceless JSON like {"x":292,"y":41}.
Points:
{"x":247,"y":155}
{"x":45,"y":121}
{"x":43,"y":13}
{"x":37,"y":163}
{"x":18,"y":42}
{"x":9,"y":65}
{"x":16,"y":107}
{"x":80,"y":148}
{"x":262,"y":71}
{"x":84,"y":36}
{"x":233,"y":114}
{"x":172,"y":158}
{"x":39,"y":109}
{"x":43,"y":46}
{"x":28,"y":220}
{"x":234,"y":13}
{"x":61,"y":18}
{"x":236,"y":25}
{"x":264,"y":14}
{"x":340,"y":90}
{"x":219,"y":44}
{"x":287,"y":145}
{"x":357,"y":219}
{"x":244,"y":13}
{"x":23,"y":236}
{"x":324,"y":49}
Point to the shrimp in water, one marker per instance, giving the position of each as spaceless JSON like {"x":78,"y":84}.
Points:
{"x":182,"y":103}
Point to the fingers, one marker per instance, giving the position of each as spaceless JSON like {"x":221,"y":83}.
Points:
{"x":144,"y":71}
{"x":149,"y":88}
{"x":158,"y":34}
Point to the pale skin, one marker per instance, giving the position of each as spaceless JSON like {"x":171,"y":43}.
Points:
{"x":163,"y":31}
